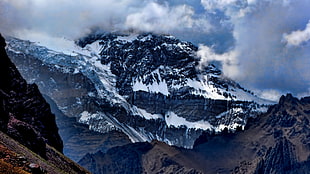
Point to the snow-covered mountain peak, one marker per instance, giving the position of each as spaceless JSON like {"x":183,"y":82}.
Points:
{"x":163,"y":64}
{"x":147,"y":86}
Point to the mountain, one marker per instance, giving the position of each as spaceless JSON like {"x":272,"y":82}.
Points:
{"x":147,"y":89}
{"x":275,"y":142}
{"x":29,"y":139}
{"x":143,"y":86}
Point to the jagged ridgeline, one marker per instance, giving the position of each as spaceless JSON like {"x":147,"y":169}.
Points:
{"x":144,"y":85}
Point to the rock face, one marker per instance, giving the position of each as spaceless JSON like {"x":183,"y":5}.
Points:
{"x":276,"y":142}
{"x":25,"y":115}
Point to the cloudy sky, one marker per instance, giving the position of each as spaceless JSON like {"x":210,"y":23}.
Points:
{"x":262,"y":44}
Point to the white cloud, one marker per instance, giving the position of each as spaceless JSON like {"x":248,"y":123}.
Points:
{"x":239,"y":8}
{"x":264,"y":61}
{"x":228,"y":60}
{"x":16,"y":3}
{"x":68,"y":18}
{"x":295,"y":38}
{"x":303,"y":94}
{"x":156,"y":17}
{"x":217,"y":4}
{"x":72,"y":18}
{"x":269,"y":94}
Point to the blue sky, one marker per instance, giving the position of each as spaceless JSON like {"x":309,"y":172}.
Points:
{"x":262,"y":44}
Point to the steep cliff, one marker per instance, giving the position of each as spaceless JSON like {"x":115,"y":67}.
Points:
{"x":24,"y":113}
{"x":26,"y":117}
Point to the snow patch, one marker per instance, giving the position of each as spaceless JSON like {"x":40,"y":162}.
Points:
{"x":159,"y":86}
{"x":173,"y":119}
{"x":148,"y":37}
{"x":93,"y":49}
{"x":205,"y":89}
{"x":57,"y":44}
{"x":233,"y":126}
{"x":143,"y":113}
{"x":137,"y":136}
{"x":128,"y":38}
{"x":84,"y":117}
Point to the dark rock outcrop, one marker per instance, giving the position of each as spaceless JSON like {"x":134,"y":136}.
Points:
{"x":279,"y":159}
{"x":25,"y":115}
